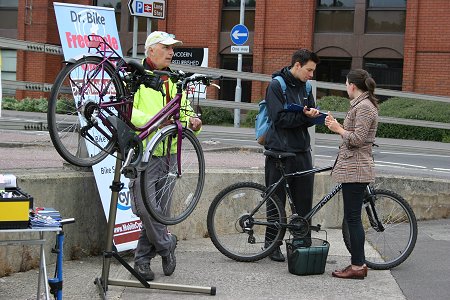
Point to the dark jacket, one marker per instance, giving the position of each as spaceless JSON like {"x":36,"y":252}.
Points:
{"x":289,"y":129}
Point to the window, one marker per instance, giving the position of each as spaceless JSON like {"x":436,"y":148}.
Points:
{"x":334,"y":15}
{"x":116,"y":4}
{"x":9,"y":62}
{"x":388,"y":73}
{"x":386,"y":16}
{"x":8,"y":14}
{"x":231,"y":14}
{"x":228,"y":85}
{"x":332,"y":69}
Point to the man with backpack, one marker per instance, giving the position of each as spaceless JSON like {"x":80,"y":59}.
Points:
{"x":288,"y":131}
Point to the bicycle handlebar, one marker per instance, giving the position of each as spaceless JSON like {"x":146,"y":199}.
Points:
{"x":182,"y":77}
{"x":139,"y":75}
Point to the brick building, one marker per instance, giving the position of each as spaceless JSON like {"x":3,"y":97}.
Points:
{"x":401,"y":42}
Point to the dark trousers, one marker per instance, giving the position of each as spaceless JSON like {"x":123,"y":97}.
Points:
{"x":301,"y":187}
{"x":353,"y":194}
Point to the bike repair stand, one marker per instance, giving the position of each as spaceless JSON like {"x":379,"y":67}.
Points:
{"x":103,"y":282}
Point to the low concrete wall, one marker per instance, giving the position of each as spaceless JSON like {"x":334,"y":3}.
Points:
{"x":75,"y":194}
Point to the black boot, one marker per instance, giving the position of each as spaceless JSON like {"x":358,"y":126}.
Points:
{"x":276,"y":255}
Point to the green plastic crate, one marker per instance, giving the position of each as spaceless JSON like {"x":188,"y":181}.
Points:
{"x":307,"y":256}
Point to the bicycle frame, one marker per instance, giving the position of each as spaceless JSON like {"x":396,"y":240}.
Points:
{"x":371,"y":212}
{"x":124,"y":105}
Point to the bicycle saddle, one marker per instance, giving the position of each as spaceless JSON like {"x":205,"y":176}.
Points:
{"x":278,"y":154}
{"x":134,"y":65}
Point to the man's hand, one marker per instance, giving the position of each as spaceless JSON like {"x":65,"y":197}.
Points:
{"x":166,"y":123}
{"x":310,"y":112}
{"x":195,"y":123}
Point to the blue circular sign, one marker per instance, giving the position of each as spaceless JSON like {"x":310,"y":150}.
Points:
{"x":239,"y":34}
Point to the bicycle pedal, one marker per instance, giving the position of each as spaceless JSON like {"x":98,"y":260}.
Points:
{"x":315,"y":228}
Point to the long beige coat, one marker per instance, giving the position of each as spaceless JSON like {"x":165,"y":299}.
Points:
{"x":354,"y":162}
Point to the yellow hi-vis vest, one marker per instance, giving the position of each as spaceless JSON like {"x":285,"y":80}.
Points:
{"x":148,"y":102}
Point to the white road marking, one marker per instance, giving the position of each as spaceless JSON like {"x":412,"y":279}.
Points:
{"x":413,"y":154}
{"x":441,"y":170}
{"x":399,"y":164}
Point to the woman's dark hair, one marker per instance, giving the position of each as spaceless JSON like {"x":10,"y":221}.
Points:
{"x":363,"y":81}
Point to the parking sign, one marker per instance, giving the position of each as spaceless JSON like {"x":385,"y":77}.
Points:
{"x":148,"y":8}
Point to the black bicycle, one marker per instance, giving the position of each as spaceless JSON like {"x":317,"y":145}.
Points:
{"x":237,"y":220}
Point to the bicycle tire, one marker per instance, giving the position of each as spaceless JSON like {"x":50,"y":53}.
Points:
{"x":392,"y":246}
{"x":229,"y":213}
{"x":172,"y":198}
{"x":67,"y":113}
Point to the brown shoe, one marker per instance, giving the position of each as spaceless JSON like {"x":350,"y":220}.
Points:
{"x":349,"y":273}
{"x":365,"y":270}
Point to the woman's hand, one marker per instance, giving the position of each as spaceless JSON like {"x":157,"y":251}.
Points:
{"x":333,"y":124}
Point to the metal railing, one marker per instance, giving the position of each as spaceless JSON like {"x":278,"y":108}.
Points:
{"x":57,"y":50}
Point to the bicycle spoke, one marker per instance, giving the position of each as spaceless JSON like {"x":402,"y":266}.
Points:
{"x":391,"y":246}
{"x":75,"y":103}
{"x":172,"y":197}
{"x":236,"y":231}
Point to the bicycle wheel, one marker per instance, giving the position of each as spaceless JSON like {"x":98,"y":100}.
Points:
{"x":170,"y":196}
{"x":73,"y":112}
{"x":237,"y":222}
{"x":391,"y":245}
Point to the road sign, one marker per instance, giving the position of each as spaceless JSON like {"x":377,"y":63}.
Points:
{"x":148,"y":8}
{"x":240,"y":49}
{"x":239,"y":34}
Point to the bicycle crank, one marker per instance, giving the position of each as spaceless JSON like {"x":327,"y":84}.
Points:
{"x":298,"y":226}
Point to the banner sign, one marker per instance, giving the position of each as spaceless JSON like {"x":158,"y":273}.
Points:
{"x":75,"y":23}
{"x":197,"y":57}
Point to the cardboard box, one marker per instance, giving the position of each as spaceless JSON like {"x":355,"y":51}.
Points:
{"x":15,"y":208}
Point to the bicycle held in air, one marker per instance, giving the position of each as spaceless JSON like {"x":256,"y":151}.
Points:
{"x":238,"y":219}
{"x":89,"y":118}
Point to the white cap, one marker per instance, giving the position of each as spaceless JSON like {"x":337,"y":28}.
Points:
{"x":161,"y":37}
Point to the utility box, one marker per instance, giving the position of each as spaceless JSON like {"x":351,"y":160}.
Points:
{"x":15,"y":208}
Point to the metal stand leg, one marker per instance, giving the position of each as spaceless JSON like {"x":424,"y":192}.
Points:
{"x":103,"y":282}
{"x":42,"y":271}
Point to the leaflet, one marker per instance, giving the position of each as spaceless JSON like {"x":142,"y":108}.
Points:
{"x":319,"y":120}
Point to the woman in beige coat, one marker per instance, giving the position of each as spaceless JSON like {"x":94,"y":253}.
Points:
{"x":354,"y":166}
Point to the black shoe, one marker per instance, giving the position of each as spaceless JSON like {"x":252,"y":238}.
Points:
{"x":145,"y":271}
{"x":276,"y":255}
{"x":169,"y":262}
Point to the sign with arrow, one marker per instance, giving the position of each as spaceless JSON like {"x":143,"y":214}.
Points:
{"x":239,"y":34}
{"x":148,"y":8}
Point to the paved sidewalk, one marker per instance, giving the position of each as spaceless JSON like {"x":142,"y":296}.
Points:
{"x":199,"y":263}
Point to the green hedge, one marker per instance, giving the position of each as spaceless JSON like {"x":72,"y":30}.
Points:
{"x":27,"y":104}
{"x":217,"y":116}
{"x":400,"y":108}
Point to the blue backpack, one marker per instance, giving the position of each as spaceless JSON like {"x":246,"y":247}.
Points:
{"x":262,"y":122}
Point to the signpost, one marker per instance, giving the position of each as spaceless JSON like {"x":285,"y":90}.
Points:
{"x":148,"y":8}
{"x":145,"y":8}
{"x":239,"y":36}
